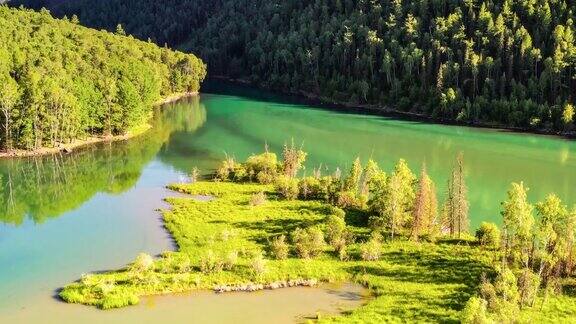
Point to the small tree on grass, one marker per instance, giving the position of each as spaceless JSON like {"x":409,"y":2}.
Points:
{"x":279,"y":247}
{"x":394,"y":206}
{"x":338,"y":235}
{"x":308,"y":242}
{"x":352,"y":181}
{"x":425,"y":208}
{"x":518,"y":221}
{"x":455,"y":209}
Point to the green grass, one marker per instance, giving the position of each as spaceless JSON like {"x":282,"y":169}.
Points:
{"x":422,"y":282}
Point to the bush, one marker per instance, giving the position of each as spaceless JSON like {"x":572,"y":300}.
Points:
{"x":346,"y":199}
{"x":488,"y":235}
{"x":230,"y":260}
{"x":230,"y":170}
{"x":287,"y":187}
{"x":279,"y":247}
{"x":335,"y":228}
{"x":475,"y":311}
{"x":258,"y":199}
{"x":337,"y":235}
{"x":143,"y":263}
{"x":258,"y":264}
{"x":262,"y":166}
{"x":209,"y":263}
{"x":309,"y":188}
{"x":371,"y":250}
{"x":308,"y":242}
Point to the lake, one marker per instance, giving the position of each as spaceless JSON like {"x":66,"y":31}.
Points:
{"x":96,"y":208}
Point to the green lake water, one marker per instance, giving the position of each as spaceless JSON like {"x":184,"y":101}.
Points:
{"x":94,"y":209}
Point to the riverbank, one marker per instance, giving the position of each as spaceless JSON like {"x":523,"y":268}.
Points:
{"x":90,"y":140}
{"x":307,"y":98}
{"x":220,"y":244}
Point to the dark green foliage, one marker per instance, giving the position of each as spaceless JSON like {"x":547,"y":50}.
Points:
{"x":494,"y":61}
{"x":62,"y":82}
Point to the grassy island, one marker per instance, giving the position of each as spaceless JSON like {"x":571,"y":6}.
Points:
{"x":258,"y":226}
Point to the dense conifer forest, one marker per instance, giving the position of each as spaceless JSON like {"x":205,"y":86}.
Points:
{"x":60,"y":81}
{"x":504,"y":62}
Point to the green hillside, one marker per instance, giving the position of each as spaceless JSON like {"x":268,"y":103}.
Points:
{"x":60,"y":81}
{"x":508,"y":62}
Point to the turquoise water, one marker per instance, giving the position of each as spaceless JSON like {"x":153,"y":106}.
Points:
{"x":94,"y":209}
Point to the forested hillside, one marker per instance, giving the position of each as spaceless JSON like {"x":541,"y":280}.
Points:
{"x":510,"y":62}
{"x":60,"y":81}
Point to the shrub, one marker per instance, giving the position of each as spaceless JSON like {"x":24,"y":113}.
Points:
{"x":225,"y":169}
{"x":143,"y":263}
{"x":264,"y":166}
{"x":287,"y":187}
{"x":309,"y":188}
{"x":230,"y":260}
{"x":279,"y":247}
{"x":346,"y":199}
{"x":475,"y":311}
{"x":371,"y":250}
{"x":488,"y":235}
{"x":337,"y":235}
{"x":258,"y":199}
{"x":230,"y":170}
{"x":258,"y":264}
{"x":308,"y":242}
{"x":209,"y":263}
{"x":181,"y":263}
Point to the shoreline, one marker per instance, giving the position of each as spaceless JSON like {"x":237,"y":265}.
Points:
{"x":90,"y":140}
{"x":307,"y":98}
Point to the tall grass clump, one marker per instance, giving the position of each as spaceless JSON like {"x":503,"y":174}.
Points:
{"x":210,"y":263}
{"x":371,"y":250}
{"x":258,"y":199}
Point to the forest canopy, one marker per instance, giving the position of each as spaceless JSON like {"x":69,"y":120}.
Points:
{"x":60,"y":81}
{"x":503,"y":62}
